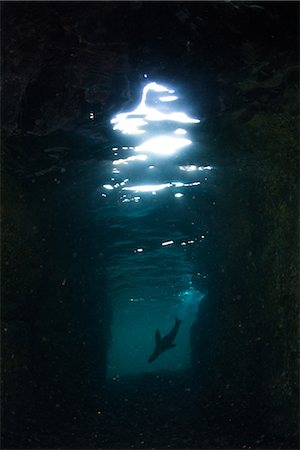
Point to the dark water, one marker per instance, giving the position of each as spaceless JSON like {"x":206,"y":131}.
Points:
{"x":176,"y":198}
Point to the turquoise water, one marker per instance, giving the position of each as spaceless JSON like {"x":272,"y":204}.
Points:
{"x":156,"y":174}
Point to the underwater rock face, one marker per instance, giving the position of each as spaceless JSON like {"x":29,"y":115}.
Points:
{"x":55,"y":313}
{"x":254,"y":285}
{"x":57,"y":69}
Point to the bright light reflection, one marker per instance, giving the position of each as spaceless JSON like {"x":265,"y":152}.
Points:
{"x":181,"y":117}
{"x":196,"y":183}
{"x":192,"y":168}
{"x":168,"y":98}
{"x":180,"y":131}
{"x":158,"y":187}
{"x":188,"y":168}
{"x":148,"y":187}
{"x":205,"y":168}
{"x":163,"y":145}
{"x":131,"y":122}
{"x":117,"y":162}
{"x":127,"y":126}
{"x":167,"y":243}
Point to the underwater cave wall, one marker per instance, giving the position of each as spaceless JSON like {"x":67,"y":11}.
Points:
{"x":55,"y":311}
{"x":249,"y":323}
{"x":60,"y":62}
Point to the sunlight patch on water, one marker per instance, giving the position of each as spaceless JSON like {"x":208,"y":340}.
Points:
{"x":132,"y":122}
{"x":163,"y":145}
{"x":173,"y":143}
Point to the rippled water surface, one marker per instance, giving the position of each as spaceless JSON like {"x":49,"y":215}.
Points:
{"x":156,"y":177}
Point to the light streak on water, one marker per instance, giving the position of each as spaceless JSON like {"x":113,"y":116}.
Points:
{"x":192,"y":168}
{"x":168,"y":98}
{"x":167,"y":243}
{"x":158,"y":187}
{"x":117,"y":162}
{"x":148,"y":187}
{"x":163,"y":145}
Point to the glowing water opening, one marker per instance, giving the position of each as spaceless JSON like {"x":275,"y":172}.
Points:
{"x":133,"y":339}
{"x":136,"y":319}
{"x":189,"y":301}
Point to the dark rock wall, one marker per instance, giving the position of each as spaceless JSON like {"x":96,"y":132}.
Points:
{"x":55,"y":313}
{"x":249,"y":321}
{"x":59,"y":63}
